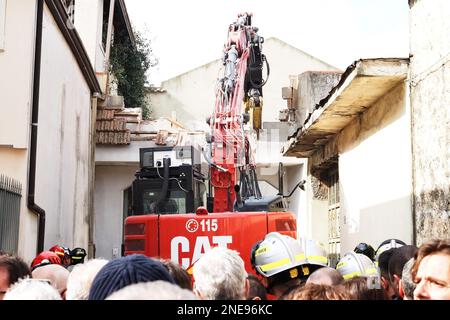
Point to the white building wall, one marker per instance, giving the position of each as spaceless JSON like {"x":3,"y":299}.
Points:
{"x":18,"y":20}
{"x":375,"y":172}
{"x":63,"y":142}
{"x":192,"y":95}
{"x":285,"y":60}
{"x":110,"y":183}
{"x":16,"y":72}
{"x":89,"y":23}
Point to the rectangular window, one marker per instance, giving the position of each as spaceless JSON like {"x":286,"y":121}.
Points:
{"x":2,"y":24}
{"x":334,"y":234}
{"x":70,"y":9}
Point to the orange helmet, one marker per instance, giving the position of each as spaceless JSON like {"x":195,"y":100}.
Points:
{"x":44,"y":258}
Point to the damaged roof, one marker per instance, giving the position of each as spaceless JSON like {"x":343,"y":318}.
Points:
{"x":361,"y":85}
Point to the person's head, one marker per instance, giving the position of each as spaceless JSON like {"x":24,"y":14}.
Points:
{"x":12,"y":268}
{"x":407,"y":285}
{"x":386,"y":245}
{"x":44,"y":258}
{"x":325,"y":276}
{"x":220,"y":275}
{"x":361,"y":288}
{"x":281,"y":261}
{"x":63,"y":253}
{"x":356,"y":265}
{"x":32,"y":289}
{"x":256,"y":290}
{"x":365,"y":249}
{"x":155,"y":290}
{"x":125,"y":271}
{"x":77,"y":255}
{"x":56,"y":274}
{"x":181,"y":277}
{"x":314,"y":291}
{"x":431,"y":271}
{"x":396,"y":263}
{"x":81,"y":277}
{"x":383,"y":266}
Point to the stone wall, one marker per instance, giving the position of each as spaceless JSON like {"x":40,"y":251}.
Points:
{"x":430,"y":100}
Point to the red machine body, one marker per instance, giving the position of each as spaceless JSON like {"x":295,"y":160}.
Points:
{"x":183,"y":238}
{"x":239,"y":216}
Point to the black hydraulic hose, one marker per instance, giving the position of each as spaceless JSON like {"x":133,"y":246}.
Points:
{"x":258,"y":193}
{"x":237,"y":191}
{"x":300,"y":185}
{"x":280,"y":179}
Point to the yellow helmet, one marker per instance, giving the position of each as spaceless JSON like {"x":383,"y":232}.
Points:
{"x":356,"y":265}
{"x":278,"y":253}
{"x":315,"y":253}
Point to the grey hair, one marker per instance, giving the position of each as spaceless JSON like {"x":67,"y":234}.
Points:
{"x":154,"y":290}
{"x":32,"y":289}
{"x":80,"y":279}
{"x":325,"y":276}
{"x":408,"y":284}
{"x":220,"y":275}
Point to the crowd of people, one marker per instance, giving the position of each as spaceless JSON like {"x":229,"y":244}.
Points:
{"x":284,"y":268}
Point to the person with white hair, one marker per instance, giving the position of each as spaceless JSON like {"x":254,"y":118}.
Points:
{"x":325,"y":276}
{"x":154,"y":290}
{"x":32,"y":289}
{"x":56,"y":274}
{"x":220,"y":275}
{"x":80,"y":279}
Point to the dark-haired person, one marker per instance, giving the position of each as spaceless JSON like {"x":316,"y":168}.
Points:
{"x":395,"y":266}
{"x":12,"y":268}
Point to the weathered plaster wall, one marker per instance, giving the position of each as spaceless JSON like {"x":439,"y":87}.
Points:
{"x":375,"y":172}
{"x":430,"y":100}
{"x":62,"y":172}
{"x":192,"y":94}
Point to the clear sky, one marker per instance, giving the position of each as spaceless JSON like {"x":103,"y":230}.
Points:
{"x":187,"y":34}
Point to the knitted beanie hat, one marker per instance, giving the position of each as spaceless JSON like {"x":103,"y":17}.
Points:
{"x":124,"y":271}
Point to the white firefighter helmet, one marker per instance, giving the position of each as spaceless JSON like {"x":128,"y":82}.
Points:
{"x":356,"y":265}
{"x":386,"y":245}
{"x":315,"y":252}
{"x":278,"y":253}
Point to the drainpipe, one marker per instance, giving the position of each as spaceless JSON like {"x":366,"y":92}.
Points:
{"x":36,"y":209}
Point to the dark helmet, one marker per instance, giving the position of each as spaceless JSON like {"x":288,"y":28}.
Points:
{"x":78,"y":255}
{"x":365,"y":249}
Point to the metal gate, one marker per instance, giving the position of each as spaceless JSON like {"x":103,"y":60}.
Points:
{"x":10,"y":197}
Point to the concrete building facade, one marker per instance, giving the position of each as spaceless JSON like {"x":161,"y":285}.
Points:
{"x":430,"y":98}
{"x":358,"y":144}
{"x":47,"y":89}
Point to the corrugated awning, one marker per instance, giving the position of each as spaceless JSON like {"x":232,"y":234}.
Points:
{"x":362,"y":84}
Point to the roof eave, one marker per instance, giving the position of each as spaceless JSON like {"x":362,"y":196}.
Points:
{"x":362,"y":84}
